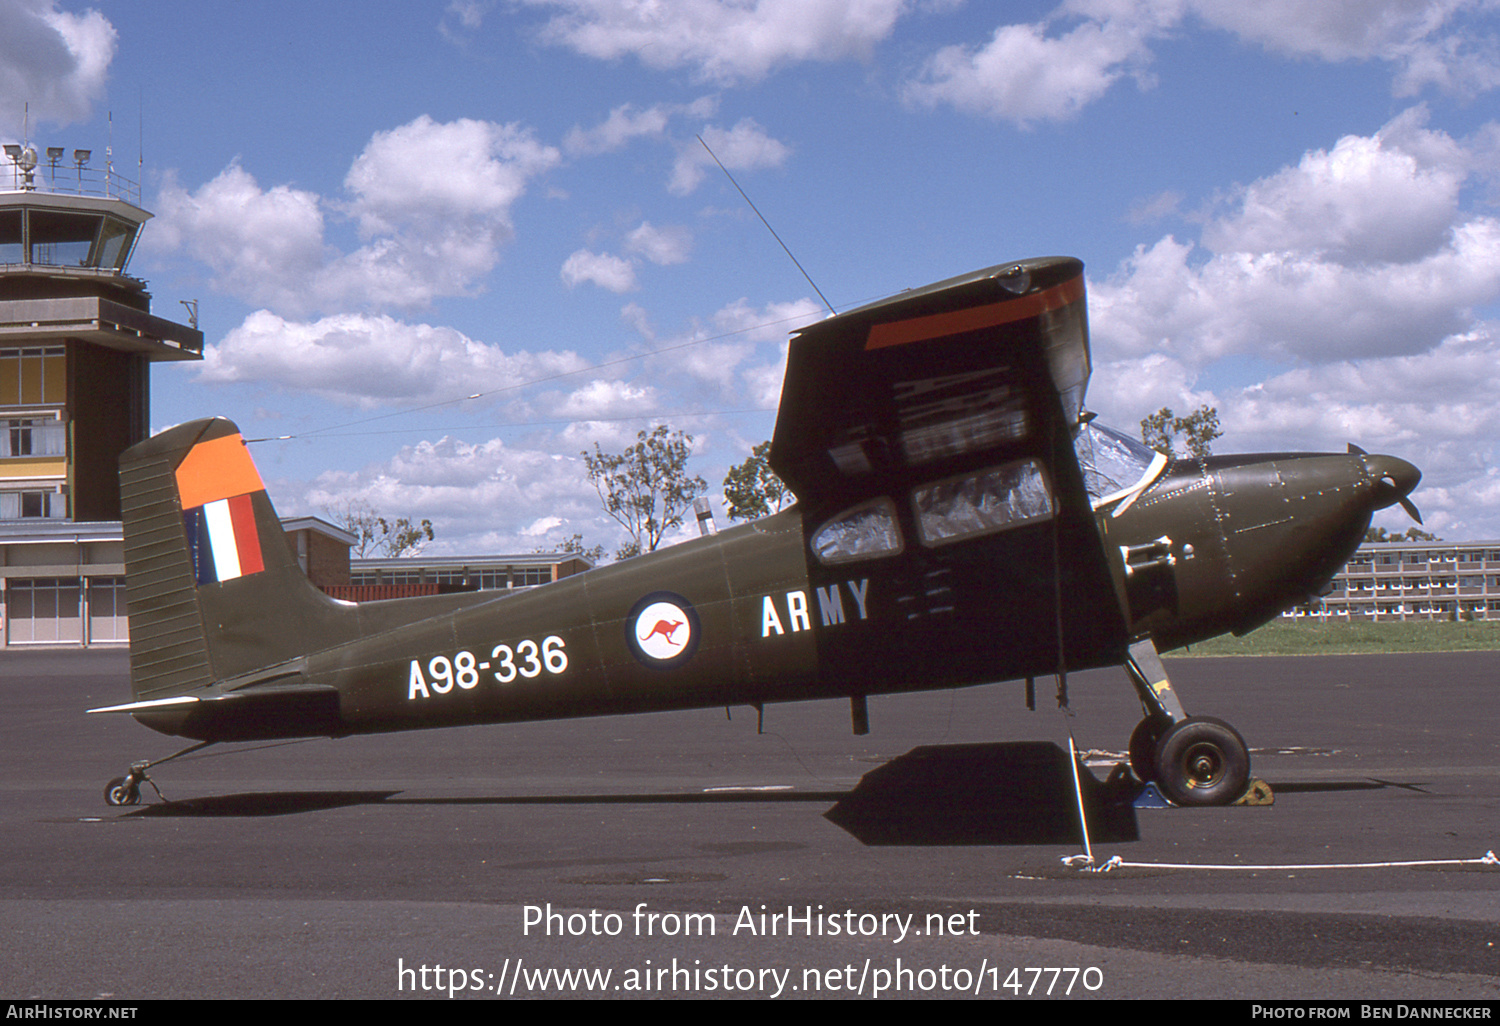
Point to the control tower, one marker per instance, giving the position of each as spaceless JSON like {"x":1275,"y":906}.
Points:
{"x":77,"y":337}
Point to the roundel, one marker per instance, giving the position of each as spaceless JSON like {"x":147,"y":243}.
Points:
{"x":662,"y":629}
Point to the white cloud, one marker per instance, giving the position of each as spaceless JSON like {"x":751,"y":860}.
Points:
{"x":607,"y":400}
{"x":1023,"y":75}
{"x":770,"y":323}
{"x":541,"y":527}
{"x":761,"y":383}
{"x":745,"y":147}
{"x":363,"y":360}
{"x":1292,"y":305}
{"x":1428,"y":41}
{"x":624,"y":124}
{"x":56,"y":61}
{"x":723,"y":42}
{"x":432,"y":202}
{"x":462,"y":18}
{"x":602,"y":269}
{"x":263,"y":245}
{"x":1361,"y":250}
{"x":461,"y":485}
{"x":1435,"y":409}
{"x":1388,"y":198}
{"x":432,"y":175}
{"x":1040,"y":71}
{"x":627,"y":123}
{"x":669,"y":245}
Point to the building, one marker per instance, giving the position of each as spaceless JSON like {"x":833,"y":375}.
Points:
{"x":77,"y":340}
{"x":1413,"y":581}
{"x":417,"y":575}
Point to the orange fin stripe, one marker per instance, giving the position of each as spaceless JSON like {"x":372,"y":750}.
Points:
{"x":991,"y":315}
{"x":220,"y":468}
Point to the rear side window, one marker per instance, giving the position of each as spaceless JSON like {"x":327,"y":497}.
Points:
{"x":991,"y":500}
{"x":863,"y":532}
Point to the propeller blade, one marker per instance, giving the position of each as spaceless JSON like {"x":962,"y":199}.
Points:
{"x":1411,"y":509}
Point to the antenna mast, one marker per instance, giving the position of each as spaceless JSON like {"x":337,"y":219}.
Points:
{"x":768,"y":227}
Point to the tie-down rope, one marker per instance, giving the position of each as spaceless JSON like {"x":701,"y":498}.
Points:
{"x":1085,"y":861}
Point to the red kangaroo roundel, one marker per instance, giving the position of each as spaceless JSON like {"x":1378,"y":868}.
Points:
{"x":662,"y":629}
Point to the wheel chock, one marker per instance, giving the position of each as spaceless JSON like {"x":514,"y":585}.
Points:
{"x":1258,"y":793}
{"x":1151,"y":798}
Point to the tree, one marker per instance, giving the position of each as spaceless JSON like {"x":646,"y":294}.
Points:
{"x":752,"y":489}
{"x":575,"y":545}
{"x":646,"y":489}
{"x":1198,"y":429}
{"x":374,"y":533}
{"x":1379,"y":534}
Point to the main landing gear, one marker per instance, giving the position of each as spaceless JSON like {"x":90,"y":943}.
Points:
{"x":126,"y":790}
{"x":1193,"y":760}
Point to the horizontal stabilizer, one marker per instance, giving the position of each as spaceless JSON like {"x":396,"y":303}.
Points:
{"x":303,"y":710}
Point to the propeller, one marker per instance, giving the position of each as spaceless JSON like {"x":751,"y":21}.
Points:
{"x":1396,"y":480}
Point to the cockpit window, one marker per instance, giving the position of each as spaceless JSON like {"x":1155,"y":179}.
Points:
{"x":863,"y":532}
{"x":991,"y":500}
{"x":1113,"y":464}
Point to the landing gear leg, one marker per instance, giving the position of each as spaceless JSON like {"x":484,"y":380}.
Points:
{"x":126,"y":790}
{"x":1193,"y":760}
{"x":1162,"y":708}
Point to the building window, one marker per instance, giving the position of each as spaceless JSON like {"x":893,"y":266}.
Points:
{"x":106,"y":602}
{"x":33,"y":436}
{"x":44,"y":611}
{"x":32,"y":504}
{"x":35,"y":376}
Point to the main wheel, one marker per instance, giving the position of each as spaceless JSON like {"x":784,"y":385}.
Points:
{"x":1202,"y":761}
{"x":118,"y":792}
{"x":1143,"y":743}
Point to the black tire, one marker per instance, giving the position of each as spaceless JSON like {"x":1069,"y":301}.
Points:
{"x":1144,"y":740}
{"x":117,"y":792}
{"x":1202,"y":761}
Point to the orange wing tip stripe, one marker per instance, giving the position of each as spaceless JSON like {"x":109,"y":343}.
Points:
{"x":991,"y":315}
{"x":219,"y":468}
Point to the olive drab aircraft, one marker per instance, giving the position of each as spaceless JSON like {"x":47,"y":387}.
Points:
{"x":961,"y":519}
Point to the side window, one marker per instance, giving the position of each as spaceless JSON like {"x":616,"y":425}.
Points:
{"x":991,"y":500}
{"x":863,"y":532}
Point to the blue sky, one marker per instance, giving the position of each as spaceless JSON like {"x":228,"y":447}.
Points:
{"x":1286,"y":209}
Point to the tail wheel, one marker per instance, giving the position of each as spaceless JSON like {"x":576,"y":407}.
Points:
{"x":120,"y":792}
{"x":1202,"y":761}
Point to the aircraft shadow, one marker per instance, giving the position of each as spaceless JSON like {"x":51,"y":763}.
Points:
{"x":271,"y":803}
{"x":1013,"y":793}
{"x":996,"y":794}
{"x":286,"y":803}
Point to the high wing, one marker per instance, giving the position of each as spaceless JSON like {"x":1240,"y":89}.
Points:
{"x":931,"y":434}
{"x":935,"y":378}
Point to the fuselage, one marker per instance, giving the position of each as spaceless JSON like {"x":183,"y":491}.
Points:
{"x":1225,"y":544}
{"x":788,"y":608}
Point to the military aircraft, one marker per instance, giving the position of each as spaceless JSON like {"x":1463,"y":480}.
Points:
{"x":961,"y":519}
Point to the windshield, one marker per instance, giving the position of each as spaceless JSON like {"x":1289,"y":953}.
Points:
{"x":1113,"y":464}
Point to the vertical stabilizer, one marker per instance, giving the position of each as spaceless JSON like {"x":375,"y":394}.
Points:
{"x":212,"y":586}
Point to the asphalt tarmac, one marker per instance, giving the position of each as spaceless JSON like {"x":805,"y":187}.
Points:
{"x":686,"y":855}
